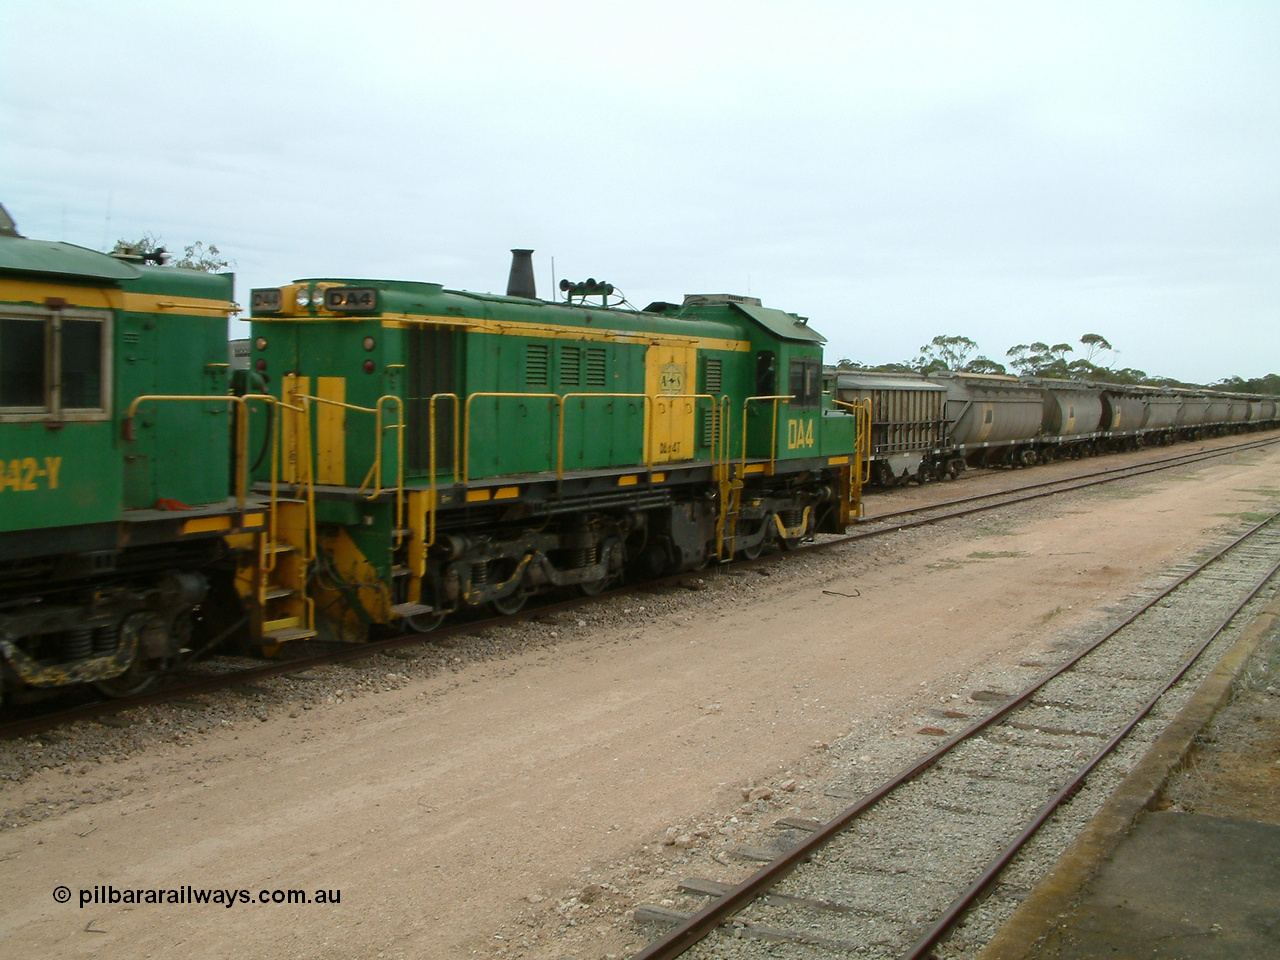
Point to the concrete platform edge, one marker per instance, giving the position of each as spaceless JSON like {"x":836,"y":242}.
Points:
{"x":1025,"y":932}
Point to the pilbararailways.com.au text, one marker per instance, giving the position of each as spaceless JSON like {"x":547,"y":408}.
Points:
{"x":200,"y":896}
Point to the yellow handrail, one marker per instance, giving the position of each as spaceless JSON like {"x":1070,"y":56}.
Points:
{"x":241,"y":457}
{"x":559,"y":401}
{"x":723,"y":470}
{"x":304,"y":474}
{"x":466,"y":437}
{"x":375,"y":469}
{"x":648,"y":407}
{"x":862,"y":445}
{"x":773,"y":443}
{"x":431,"y":416}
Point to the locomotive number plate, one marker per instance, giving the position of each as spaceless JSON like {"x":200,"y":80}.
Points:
{"x":351,"y":299}
{"x":265,"y":300}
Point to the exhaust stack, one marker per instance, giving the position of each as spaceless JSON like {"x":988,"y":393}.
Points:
{"x":521,"y":283}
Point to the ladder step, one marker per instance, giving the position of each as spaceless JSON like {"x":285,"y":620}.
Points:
{"x":283,"y":623}
{"x":400,"y":571}
{"x":410,"y":609}
{"x":279,"y":548}
{"x":275,"y":593}
{"x":287,"y":634}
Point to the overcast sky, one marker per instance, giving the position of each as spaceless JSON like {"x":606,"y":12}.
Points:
{"x":1007,"y":171}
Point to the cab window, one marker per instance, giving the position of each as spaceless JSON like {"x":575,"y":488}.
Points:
{"x":22,"y":364}
{"x":766,"y":373}
{"x":53,"y":364}
{"x":805,"y":383}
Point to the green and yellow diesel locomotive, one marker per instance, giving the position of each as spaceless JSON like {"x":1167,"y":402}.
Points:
{"x":462,"y":449}
{"x":108,"y":543}
{"x":394,"y":453}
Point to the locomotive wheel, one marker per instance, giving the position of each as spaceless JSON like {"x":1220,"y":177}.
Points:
{"x":512,"y":603}
{"x":423,"y":622}
{"x":753,"y":552}
{"x":138,"y":677}
{"x":593,"y":588}
{"x":127,"y":684}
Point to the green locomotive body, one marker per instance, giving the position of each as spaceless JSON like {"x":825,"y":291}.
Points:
{"x":106,"y":541}
{"x":396,"y":452}
{"x":465,"y":449}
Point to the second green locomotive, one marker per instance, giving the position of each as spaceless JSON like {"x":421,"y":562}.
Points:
{"x":464,"y":449}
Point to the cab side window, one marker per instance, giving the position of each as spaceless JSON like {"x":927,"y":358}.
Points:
{"x":766,"y":373}
{"x":81,"y":365}
{"x":53,"y":363}
{"x":22,"y":364}
{"x":805,"y":383}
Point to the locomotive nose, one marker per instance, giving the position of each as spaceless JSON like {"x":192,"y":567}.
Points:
{"x":521,"y":283}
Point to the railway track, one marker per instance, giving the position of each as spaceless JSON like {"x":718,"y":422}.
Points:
{"x":891,"y":874}
{"x":964,"y":506}
{"x":211,"y":679}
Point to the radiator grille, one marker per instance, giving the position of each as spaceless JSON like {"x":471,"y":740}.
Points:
{"x":535,"y":365}
{"x":570,"y":366}
{"x":713,"y":377}
{"x":596,"y":367}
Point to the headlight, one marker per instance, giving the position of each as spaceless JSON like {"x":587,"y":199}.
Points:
{"x":302,"y":298}
{"x":317,"y":297}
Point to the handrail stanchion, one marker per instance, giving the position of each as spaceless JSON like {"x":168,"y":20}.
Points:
{"x":563,"y":416}
{"x":466,"y":428}
{"x":431,"y":432}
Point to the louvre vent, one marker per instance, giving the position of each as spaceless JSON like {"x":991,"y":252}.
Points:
{"x":713,"y":378}
{"x":596,"y":367}
{"x":535,"y":365}
{"x":570,"y":366}
{"x":710,"y":427}
{"x":130,"y":336}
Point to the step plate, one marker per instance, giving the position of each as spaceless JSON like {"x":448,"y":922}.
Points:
{"x":410,"y":610}
{"x":287,"y":634}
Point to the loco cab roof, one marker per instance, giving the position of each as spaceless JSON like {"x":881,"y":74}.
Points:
{"x":65,"y":263}
{"x":328,"y":298}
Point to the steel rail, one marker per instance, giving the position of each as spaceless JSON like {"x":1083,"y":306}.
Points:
{"x":678,"y":940}
{"x":100,"y":708}
{"x":1137,"y":468}
{"x":1064,"y":486}
{"x":1001,"y":860}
